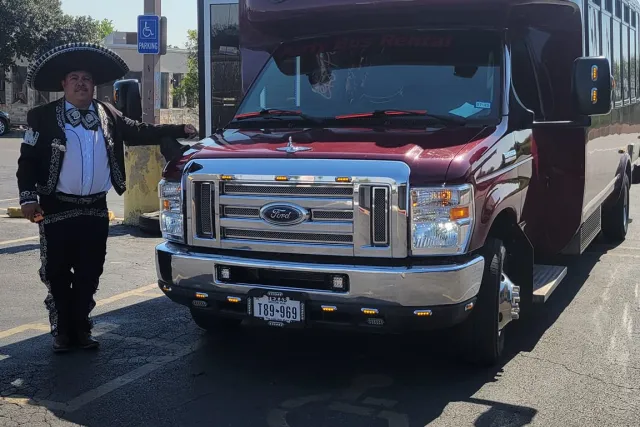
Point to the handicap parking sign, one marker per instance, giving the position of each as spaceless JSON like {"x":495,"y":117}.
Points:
{"x":149,"y":34}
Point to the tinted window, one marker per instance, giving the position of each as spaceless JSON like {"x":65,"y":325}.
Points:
{"x":451,"y":73}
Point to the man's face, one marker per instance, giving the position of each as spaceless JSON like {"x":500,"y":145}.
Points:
{"x":78,"y":87}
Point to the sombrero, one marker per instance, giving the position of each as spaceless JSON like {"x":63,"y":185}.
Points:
{"x":48,"y":71}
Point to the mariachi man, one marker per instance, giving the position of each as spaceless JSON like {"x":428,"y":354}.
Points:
{"x":71,"y":156}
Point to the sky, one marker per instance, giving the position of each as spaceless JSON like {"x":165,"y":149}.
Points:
{"x":182,"y":15}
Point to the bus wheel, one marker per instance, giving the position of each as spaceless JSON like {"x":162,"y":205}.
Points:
{"x":483,"y":333}
{"x":615,"y":220}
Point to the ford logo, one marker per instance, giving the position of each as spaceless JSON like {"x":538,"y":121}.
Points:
{"x":283,"y":214}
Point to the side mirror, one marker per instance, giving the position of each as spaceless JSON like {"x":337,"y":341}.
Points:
{"x":127,"y":98}
{"x":592,"y":86}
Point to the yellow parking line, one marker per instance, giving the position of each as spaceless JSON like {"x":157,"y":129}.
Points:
{"x":22,"y":328}
{"x":42,"y":327}
{"x":25,"y":239}
{"x":134,"y":292}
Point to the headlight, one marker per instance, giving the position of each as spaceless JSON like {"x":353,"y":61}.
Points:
{"x":171,"y":219}
{"x":441,"y":220}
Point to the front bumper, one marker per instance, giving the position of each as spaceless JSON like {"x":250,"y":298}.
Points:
{"x":396,"y":292}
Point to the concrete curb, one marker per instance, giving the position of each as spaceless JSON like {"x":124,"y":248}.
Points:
{"x":16,"y":212}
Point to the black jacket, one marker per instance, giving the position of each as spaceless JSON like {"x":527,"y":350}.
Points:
{"x":44,"y":146}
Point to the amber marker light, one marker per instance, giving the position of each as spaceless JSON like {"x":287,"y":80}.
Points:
{"x":594,"y":73}
{"x":422,"y":313}
{"x":226,"y":177}
{"x":282,"y":178}
{"x":459,"y":213}
{"x":594,"y":96}
{"x":201,"y":295}
{"x":370,"y":311}
{"x":233,"y":299}
{"x":343,"y":179}
{"x":329,"y":308}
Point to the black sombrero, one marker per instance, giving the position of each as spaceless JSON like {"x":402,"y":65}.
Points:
{"x":48,"y":71}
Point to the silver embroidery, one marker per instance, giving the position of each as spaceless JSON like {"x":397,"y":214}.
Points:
{"x":49,"y":303}
{"x":31,"y":137}
{"x":54,"y":165}
{"x":74,"y":213}
{"x":115,"y":169}
{"x":28,"y":196}
{"x":81,"y":200}
{"x":54,"y":169}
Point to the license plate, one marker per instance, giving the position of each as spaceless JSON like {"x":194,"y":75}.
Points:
{"x":277,"y":309}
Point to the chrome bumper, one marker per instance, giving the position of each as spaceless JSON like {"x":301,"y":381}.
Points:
{"x":406,"y":286}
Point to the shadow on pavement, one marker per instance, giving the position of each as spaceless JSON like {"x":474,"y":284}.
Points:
{"x":147,"y":372}
{"x":19,"y":249}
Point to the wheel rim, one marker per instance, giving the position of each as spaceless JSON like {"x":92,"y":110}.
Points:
{"x":2,"y":127}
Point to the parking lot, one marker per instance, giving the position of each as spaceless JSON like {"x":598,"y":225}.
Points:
{"x":578,"y":365}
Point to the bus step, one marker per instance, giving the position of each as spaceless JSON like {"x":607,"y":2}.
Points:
{"x":545,"y":280}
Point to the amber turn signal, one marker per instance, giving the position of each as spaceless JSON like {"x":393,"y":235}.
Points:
{"x":459,"y":213}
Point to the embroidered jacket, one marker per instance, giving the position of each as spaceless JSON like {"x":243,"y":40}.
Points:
{"x":44,"y":146}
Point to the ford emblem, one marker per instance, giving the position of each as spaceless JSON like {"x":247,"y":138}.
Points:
{"x":283,"y":214}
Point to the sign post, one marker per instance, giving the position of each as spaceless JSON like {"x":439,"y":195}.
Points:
{"x":144,"y":163}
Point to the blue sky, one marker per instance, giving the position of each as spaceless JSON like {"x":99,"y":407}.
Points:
{"x":182,"y":15}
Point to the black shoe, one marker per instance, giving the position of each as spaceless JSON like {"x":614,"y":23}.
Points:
{"x":61,"y":344}
{"x":86,"y":341}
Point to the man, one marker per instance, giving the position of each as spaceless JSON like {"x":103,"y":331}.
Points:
{"x":71,"y":156}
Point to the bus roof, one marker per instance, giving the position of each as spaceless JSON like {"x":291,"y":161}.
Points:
{"x":267,"y":22}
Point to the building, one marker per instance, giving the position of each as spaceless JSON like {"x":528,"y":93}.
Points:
{"x":16,"y":99}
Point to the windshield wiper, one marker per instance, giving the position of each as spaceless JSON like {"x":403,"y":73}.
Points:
{"x":394,"y":112}
{"x":273,"y":113}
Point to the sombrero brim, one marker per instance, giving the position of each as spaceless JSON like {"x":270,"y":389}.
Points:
{"x":47,"y":73}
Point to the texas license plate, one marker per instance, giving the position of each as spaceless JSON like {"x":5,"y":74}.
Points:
{"x":277,"y":309}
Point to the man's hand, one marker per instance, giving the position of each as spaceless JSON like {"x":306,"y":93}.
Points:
{"x":190,"y":131}
{"x":29,"y":210}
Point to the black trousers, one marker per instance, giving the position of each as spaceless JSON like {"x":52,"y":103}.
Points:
{"x":73,"y":247}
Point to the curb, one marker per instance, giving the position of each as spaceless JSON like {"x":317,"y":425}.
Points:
{"x":14,"y":212}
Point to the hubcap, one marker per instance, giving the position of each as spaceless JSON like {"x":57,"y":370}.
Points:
{"x":1,"y":127}
{"x":509,"y":302}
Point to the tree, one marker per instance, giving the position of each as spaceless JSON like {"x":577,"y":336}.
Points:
{"x":31,"y":27}
{"x":188,"y":90}
{"x":105,"y":27}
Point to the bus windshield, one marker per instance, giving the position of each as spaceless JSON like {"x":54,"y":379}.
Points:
{"x":451,"y":76}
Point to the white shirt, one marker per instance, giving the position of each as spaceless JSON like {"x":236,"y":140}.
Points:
{"x":85,"y":168}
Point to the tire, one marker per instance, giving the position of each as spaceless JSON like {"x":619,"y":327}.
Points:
{"x":483,"y":343}
{"x":214,"y":324}
{"x":635,"y":175}
{"x":4,"y":127}
{"x":615,"y":220}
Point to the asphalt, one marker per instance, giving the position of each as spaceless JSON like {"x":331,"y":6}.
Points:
{"x":576,"y":365}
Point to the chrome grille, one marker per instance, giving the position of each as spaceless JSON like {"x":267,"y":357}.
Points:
{"x":288,"y":237}
{"x":379,"y":217}
{"x":322,"y":215}
{"x":235,"y":211}
{"x":287,"y":189}
{"x":360,"y":216}
{"x":205,"y":210}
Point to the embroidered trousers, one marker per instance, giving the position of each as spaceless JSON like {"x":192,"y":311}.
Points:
{"x":73,"y":247}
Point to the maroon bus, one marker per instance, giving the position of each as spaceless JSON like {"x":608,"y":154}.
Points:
{"x":400,"y":165}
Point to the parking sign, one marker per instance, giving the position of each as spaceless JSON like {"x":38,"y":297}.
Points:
{"x":149,"y":34}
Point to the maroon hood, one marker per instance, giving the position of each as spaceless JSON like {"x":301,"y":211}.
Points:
{"x":428,"y":154}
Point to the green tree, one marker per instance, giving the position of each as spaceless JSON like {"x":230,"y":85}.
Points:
{"x":30,"y":27}
{"x":188,"y":90}
{"x":105,"y":27}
